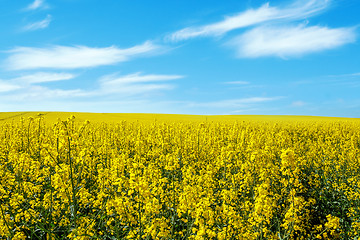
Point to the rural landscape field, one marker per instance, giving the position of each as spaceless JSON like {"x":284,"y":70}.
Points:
{"x":153,"y":176}
{"x":180,"y":120}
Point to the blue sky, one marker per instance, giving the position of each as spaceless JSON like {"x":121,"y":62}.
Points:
{"x":293,"y":57}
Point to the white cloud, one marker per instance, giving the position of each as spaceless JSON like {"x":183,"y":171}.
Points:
{"x":64,"y":57}
{"x":290,"y":41}
{"x":138,"y":78}
{"x":36,"y":5}
{"x":40,"y":93}
{"x":345,"y":75}
{"x":26,"y":82}
{"x":41,"y":77}
{"x":102,"y":106}
{"x":38,"y":25}
{"x":6,"y":86}
{"x":300,"y":9}
{"x":235,"y":103}
{"x":237,"y":83}
{"x":136,"y":83}
{"x":298,"y":104}
{"x":110,"y":87}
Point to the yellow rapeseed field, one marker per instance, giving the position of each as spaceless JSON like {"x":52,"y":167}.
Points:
{"x":143,"y":176}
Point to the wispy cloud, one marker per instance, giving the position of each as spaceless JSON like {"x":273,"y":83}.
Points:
{"x":38,"y":25}
{"x":136,"y":83}
{"x":6,"y":86}
{"x":37,"y":4}
{"x":272,"y":33}
{"x":41,"y":77}
{"x":350,"y":80}
{"x":237,"y":83}
{"x":29,"y":87}
{"x":34,"y":93}
{"x":29,"y":82}
{"x":298,"y":103}
{"x":290,"y":40}
{"x":299,"y":9}
{"x":65,"y":57}
{"x":357,"y":74}
{"x":236,"y":103}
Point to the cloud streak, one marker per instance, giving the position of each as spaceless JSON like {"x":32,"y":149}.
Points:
{"x":272,"y":32}
{"x":29,"y":88}
{"x":357,"y":74}
{"x":298,"y":104}
{"x":136,"y":83}
{"x":236,"y":103}
{"x":290,"y":41}
{"x":65,"y":57}
{"x":300,"y":9}
{"x":42,"y":77}
{"x":36,"y":93}
{"x":237,"y":83}
{"x":28,"y":82}
{"x":6,"y":86}
{"x":38,"y":25}
{"x":36,"y":5}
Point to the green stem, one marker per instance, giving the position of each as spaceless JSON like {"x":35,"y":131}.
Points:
{"x":6,"y":223}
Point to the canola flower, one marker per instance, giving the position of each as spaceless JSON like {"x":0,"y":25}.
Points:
{"x":180,"y":180}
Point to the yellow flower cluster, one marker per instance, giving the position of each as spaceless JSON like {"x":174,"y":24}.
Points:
{"x":180,"y":180}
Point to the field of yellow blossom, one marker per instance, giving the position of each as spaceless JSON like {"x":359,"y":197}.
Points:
{"x":143,"y":176}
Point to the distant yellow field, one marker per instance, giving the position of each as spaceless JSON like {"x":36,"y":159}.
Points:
{"x":52,"y":117}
